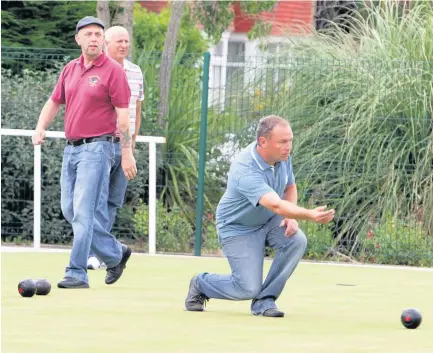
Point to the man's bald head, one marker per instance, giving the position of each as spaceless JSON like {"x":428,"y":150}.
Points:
{"x":117,"y":43}
{"x":114,"y":31}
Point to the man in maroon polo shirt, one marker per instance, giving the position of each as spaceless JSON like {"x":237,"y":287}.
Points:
{"x":96,"y":94}
{"x":117,"y":45}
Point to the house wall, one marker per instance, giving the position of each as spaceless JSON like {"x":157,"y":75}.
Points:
{"x":287,"y":16}
{"x":154,"y":5}
{"x":234,"y":58}
{"x":236,"y":62}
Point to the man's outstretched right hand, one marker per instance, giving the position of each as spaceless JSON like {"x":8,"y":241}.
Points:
{"x":320,"y":215}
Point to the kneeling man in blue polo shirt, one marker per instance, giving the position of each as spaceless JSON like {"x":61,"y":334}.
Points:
{"x":258,"y":209}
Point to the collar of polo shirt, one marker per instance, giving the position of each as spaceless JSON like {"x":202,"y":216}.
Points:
{"x":98,"y":61}
{"x":262,"y":164}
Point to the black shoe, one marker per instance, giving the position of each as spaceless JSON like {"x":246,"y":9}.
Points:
{"x":273,"y":312}
{"x":114,"y":273}
{"x":72,"y":282}
{"x":195,"y":301}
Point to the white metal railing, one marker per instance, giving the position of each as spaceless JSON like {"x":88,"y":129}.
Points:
{"x":151,"y":140}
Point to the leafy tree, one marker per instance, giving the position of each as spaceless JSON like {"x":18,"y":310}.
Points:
{"x":167,"y":59}
{"x":150,"y":29}
{"x":42,"y":24}
{"x":215,"y":17}
{"x":117,"y":13}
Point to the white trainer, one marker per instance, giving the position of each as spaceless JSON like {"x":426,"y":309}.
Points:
{"x":93,"y":263}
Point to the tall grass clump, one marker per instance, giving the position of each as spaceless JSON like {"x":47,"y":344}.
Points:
{"x":361,"y":108}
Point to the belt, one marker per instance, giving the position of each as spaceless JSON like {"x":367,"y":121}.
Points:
{"x":82,"y":141}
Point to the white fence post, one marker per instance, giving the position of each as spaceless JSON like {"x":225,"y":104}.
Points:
{"x":151,"y":140}
{"x":152,"y":198}
{"x":37,"y":185}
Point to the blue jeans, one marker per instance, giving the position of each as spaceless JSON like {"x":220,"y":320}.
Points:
{"x":116,"y":194}
{"x":245,"y":254}
{"x":84,"y":182}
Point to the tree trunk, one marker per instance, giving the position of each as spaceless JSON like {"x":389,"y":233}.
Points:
{"x":103,"y":12}
{"x":124,"y":16}
{"x":119,"y":15}
{"x":129,"y":24}
{"x":167,"y":60}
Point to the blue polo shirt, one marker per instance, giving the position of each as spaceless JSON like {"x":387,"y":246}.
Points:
{"x":249,"y":178}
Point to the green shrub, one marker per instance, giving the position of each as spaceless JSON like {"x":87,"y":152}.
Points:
{"x":178,"y":173}
{"x":399,"y":242}
{"x":320,"y":240}
{"x":22,"y":98}
{"x":17,"y":159}
{"x":150,"y":30}
{"x":210,"y":243}
{"x":173,"y":231}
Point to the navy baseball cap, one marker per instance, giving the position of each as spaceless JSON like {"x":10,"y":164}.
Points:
{"x":89,"y":20}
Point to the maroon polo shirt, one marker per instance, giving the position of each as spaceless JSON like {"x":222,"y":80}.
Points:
{"x":91,"y":95}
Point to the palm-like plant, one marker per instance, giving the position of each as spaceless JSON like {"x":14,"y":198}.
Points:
{"x":180,"y":154}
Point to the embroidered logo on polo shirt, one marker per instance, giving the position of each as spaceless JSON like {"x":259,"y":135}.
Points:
{"x":93,"y":80}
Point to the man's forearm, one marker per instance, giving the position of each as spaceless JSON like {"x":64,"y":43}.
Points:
{"x":123,"y":123}
{"x":128,"y":161}
{"x":137,"y":118}
{"x":289,"y":210}
{"x":47,"y":114}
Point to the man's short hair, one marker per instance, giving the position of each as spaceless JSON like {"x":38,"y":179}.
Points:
{"x":267,"y":124}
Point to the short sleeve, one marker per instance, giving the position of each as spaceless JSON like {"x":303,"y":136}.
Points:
{"x":118,"y":88}
{"x":58,"y":96}
{"x":253,"y":186}
{"x":290,"y":179}
{"x":291,"y":176}
{"x":141,"y":92}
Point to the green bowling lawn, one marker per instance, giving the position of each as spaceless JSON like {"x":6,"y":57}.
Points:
{"x":144,"y":310}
